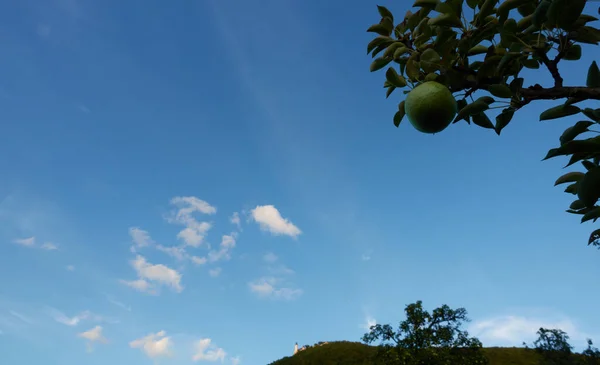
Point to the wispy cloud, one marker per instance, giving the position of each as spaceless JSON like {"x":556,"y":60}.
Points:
{"x":235,"y":219}
{"x":236,"y":360}
{"x":70,"y":268}
{"x":368,"y":322}
{"x":223,"y":253}
{"x":154,"y":345}
{"x":49,"y":246}
{"x":84,"y":109}
{"x":270,"y":257}
{"x":20,"y":316}
{"x":214,"y":272}
{"x":271,"y":287}
{"x":28,"y":242}
{"x":119,"y":304}
{"x":269,"y":219}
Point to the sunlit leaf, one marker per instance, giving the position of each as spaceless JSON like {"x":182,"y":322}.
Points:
{"x":500,"y":91}
{"x":379,"y":63}
{"x":384,"y":12}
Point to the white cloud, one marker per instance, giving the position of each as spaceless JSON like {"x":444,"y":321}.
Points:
{"x":270,"y":257}
{"x":49,"y":246}
{"x":223,"y":253}
{"x":207,"y":351}
{"x":235,"y":219}
{"x":140,"y":285}
{"x":236,"y":360}
{"x":70,"y":268}
{"x":149,"y":273}
{"x":199,"y":260}
{"x":195,"y":231}
{"x":214,"y":272}
{"x":153,"y":345}
{"x":369,"y":321}
{"x":269,"y":219}
{"x":175,"y":251}
{"x":514,"y":330}
{"x":140,"y":238}
{"x":268,"y":287}
{"x":93,"y":335}
{"x":28,"y":242}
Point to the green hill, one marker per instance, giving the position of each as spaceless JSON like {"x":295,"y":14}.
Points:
{"x":356,"y":353}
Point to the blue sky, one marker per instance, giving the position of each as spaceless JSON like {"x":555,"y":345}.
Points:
{"x":217,"y":180}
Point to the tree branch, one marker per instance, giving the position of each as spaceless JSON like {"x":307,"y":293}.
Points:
{"x":552,"y":66}
{"x":537,"y":92}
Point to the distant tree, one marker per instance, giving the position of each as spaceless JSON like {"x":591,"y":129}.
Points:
{"x":553,"y":347}
{"x":448,"y":52}
{"x":591,"y":355}
{"x":425,"y":338}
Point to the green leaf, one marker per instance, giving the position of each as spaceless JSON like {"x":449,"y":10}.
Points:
{"x":472,"y":3}
{"x":577,"y":204}
{"x":379,"y":63}
{"x":503,"y":119}
{"x":586,"y":34}
{"x":392,"y":76}
{"x":572,"y":132}
{"x":389,"y":51}
{"x":559,"y":112}
{"x":482,"y":120}
{"x":389,"y":91}
{"x":516,"y":84}
{"x":384,"y":28}
{"x":531,"y":63}
{"x":540,"y":13}
{"x":384,"y":12}
{"x":446,"y":20}
{"x":595,"y":236}
{"x":412,"y":69}
{"x":583,"y":147}
{"x":576,"y":157}
{"x":399,"y":114}
{"x":485,"y":99}
{"x":593,"y":114}
{"x":485,"y":9}
{"x":569,"y":12}
{"x":478,"y":49}
{"x":500,"y":91}
{"x":525,"y":22}
{"x":573,"y":53}
{"x":399,"y":52}
{"x":431,"y":77}
{"x":569,"y":178}
{"x":426,"y":3}
{"x":476,"y":107}
{"x":507,"y":6}
{"x":430,"y":60}
{"x":572,"y":189}
{"x":379,"y":41}
{"x":460,"y":105}
{"x":588,"y":165}
{"x":592,"y":214}
{"x":593,"y":76}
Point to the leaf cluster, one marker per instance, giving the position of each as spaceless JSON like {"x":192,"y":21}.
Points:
{"x":480,"y":47}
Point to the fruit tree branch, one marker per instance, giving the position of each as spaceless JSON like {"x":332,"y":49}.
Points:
{"x":537,"y":92}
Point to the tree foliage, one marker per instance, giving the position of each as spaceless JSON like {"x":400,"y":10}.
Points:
{"x":427,"y":338}
{"x":480,"y":47}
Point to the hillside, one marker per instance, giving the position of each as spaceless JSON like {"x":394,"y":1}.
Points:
{"x":356,"y":353}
